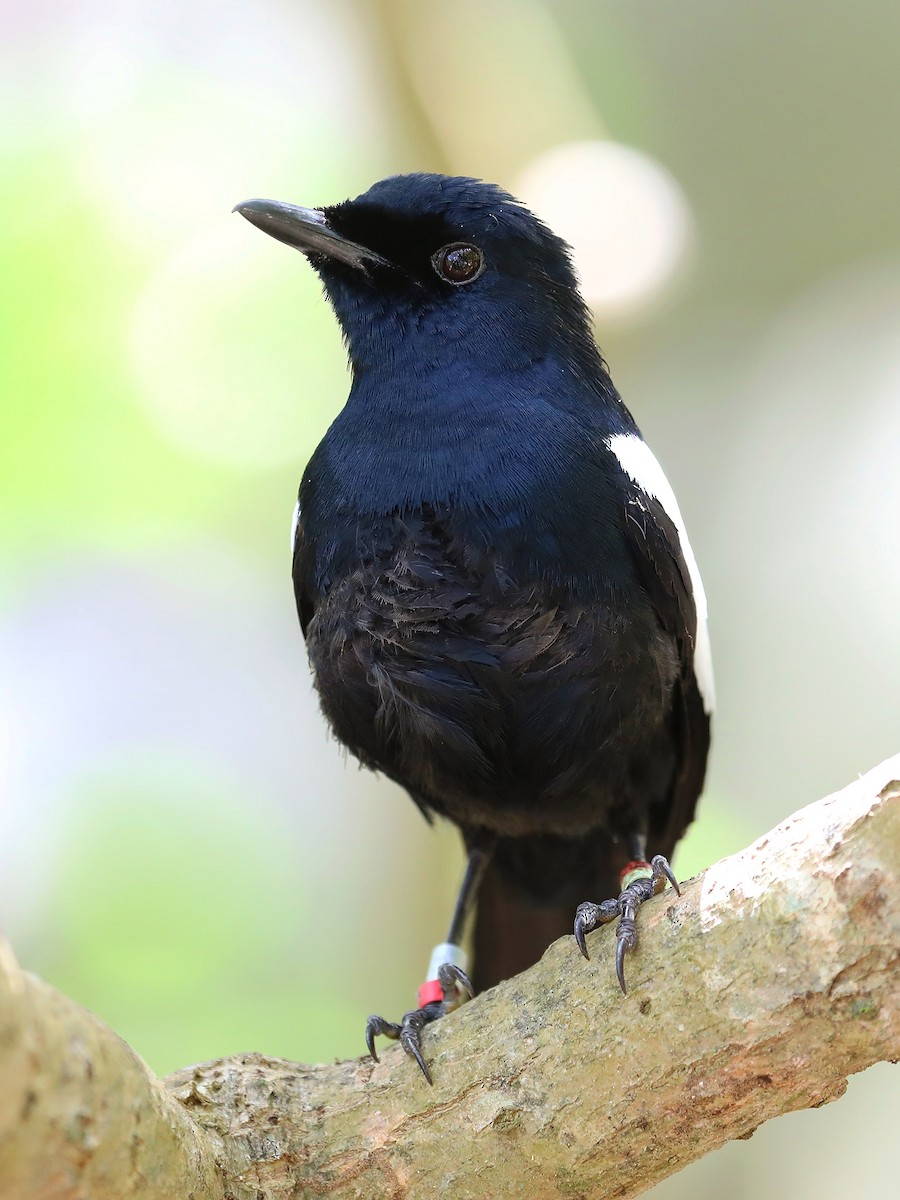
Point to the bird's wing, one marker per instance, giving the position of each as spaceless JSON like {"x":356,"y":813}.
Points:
{"x":295,"y":525}
{"x":306,"y":604}
{"x":655,"y":532}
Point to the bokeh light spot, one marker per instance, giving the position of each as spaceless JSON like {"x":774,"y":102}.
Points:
{"x":623,"y":214}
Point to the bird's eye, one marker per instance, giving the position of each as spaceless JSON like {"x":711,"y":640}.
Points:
{"x":458,"y":262}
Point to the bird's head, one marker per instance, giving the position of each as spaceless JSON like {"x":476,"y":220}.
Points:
{"x":454,"y":261}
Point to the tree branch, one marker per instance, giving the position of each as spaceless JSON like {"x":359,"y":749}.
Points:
{"x":773,"y":978}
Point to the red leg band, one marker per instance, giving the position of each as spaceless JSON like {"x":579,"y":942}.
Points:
{"x":429,"y":991}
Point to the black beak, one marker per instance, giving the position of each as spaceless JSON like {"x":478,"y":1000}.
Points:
{"x":307,"y":229}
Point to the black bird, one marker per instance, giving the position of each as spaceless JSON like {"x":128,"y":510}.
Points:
{"x":499,"y":600}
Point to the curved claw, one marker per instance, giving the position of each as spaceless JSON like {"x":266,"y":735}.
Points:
{"x":626,"y":939}
{"x":376,"y":1026}
{"x":588,"y":916}
{"x":370,"y":1037}
{"x":409,"y":1040}
{"x":621,"y":950}
{"x":579,"y":935}
{"x":661,"y":866}
{"x":451,"y":976}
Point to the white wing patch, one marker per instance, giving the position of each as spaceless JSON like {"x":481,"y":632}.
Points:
{"x":639,"y":463}
{"x":295,"y":521}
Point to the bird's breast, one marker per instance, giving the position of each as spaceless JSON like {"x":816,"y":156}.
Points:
{"x":497,"y":700}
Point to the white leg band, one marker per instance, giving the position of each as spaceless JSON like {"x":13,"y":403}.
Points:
{"x":446,"y":952}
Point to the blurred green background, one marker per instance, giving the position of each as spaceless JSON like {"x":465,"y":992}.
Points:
{"x":182,"y":848}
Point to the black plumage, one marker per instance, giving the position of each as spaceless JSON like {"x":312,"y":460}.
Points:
{"x":498,"y":597}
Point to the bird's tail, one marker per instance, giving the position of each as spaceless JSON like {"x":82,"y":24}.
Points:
{"x":510,"y":933}
{"x":513,"y":929}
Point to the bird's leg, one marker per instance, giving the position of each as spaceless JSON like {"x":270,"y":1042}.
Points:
{"x":640,"y":880}
{"x":447,"y":985}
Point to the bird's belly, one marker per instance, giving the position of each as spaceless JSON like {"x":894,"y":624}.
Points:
{"x":511,"y":713}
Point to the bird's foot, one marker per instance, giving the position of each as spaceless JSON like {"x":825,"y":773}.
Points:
{"x":640,"y":881}
{"x":437,"y":997}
